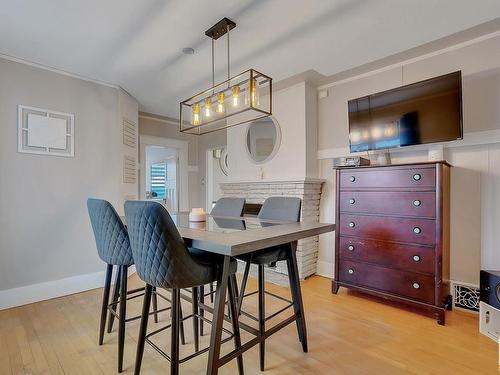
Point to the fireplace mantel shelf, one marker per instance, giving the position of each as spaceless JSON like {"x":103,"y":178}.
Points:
{"x":277,"y":181}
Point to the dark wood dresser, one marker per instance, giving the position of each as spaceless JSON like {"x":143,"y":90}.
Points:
{"x":392,"y":237}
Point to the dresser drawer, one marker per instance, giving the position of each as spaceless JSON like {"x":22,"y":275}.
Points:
{"x":405,"y":284}
{"x":392,"y":255}
{"x":388,"y":178}
{"x":406,"y":203}
{"x":413,"y":230}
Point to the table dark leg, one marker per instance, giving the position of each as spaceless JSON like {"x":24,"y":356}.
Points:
{"x":293,"y":275}
{"x":241,"y":295}
{"x":234,"y":320}
{"x":105,"y":301}
{"x":116,"y":296}
{"x":218,"y":319}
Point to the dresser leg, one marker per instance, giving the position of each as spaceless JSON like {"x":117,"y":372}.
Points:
{"x":335,"y":287}
{"x":439,"y":314}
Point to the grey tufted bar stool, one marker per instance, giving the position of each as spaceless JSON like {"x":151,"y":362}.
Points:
{"x":283,"y":209}
{"x":113,"y":247}
{"x":163,"y":260}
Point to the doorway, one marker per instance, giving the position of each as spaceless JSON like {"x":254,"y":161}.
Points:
{"x":217,"y":173}
{"x":163,"y":172}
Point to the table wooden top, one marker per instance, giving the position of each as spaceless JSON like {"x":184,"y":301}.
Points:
{"x":236,"y":236}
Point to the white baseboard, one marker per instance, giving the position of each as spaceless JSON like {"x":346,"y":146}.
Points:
{"x":324,"y":269}
{"x":52,"y":289}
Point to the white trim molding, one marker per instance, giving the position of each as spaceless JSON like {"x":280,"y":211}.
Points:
{"x":50,"y":289}
{"x":53,"y":289}
{"x":470,"y":139}
{"x":58,"y":71}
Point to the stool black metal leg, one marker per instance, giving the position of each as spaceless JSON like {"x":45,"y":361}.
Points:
{"x":234,"y":319}
{"x":116,"y":296}
{"x":174,"y":355}
{"x":105,"y":301}
{"x":202,"y":312}
{"x":212,"y":292}
{"x":262,"y":316}
{"x":181,"y":323}
{"x":293,"y":275}
{"x":155,"y":305}
{"x":143,"y":328}
{"x":195,"y":319}
{"x":121,"y":321}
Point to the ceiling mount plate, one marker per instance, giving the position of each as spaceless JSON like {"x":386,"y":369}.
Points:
{"x":220,"y":28}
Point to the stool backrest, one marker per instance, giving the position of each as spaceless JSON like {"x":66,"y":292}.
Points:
{"x":161,"y":256}
{"x":111,"y":237}
{"x":230,"y":207}
{"x":281,"y":208}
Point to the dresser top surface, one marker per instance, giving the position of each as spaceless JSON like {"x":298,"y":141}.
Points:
{"x":444,"y":162}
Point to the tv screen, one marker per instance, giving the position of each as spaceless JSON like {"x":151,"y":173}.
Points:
{"x":424,"y":112}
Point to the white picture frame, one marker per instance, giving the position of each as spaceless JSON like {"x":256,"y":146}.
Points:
{"x":45,"y":132}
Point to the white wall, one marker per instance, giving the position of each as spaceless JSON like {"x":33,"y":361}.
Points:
{"x":294,"y":108}
{"x":45,"y":234}
{"x":475,"y":185}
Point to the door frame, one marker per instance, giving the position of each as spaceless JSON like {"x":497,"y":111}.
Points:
{"x":182,"y":151}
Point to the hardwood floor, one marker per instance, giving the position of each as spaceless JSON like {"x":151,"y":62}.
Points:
{"x":349,"y":333}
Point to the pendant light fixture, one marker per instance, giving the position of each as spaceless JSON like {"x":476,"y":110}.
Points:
{"x":237,"y":100}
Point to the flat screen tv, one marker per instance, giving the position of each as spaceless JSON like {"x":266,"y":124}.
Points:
{"x":424,"y":112}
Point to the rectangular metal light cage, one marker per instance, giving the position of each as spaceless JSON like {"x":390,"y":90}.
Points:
{"x":242,"y":98}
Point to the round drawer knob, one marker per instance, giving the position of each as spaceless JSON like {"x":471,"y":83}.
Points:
{"x":416,"y":258}
{"x":352,"y":178}
{"x":417,"y":230}
{"x":352,"y":201}
{"x":350,"y":248}
{"x":417,"y":202}
{"x":417,"y":176}
{"x":416,"y":286}
{"x":350,"y":271}
{"x":351,"y":224}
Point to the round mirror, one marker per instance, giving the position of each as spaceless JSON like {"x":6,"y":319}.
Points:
{"x":223,"y":162}
{"x":263,"y":139}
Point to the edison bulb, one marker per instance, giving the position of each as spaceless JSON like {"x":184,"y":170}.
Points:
{"x":220,"y":103}
{"x":195,"y":114}
{"x":253,"y":93}
{"x":376,"y":132}
{"x":208,"y":107}
{"x":236,"y":96}
{"x":355,"y":136}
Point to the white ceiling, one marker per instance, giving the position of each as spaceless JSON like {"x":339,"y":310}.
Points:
{"x":137,"y":43}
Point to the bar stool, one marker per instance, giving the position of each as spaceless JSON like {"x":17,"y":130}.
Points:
{"x":164,"y":261}
{"x":113,"y":247}
{"x":224,"y":207}
{"x":283,"y":209}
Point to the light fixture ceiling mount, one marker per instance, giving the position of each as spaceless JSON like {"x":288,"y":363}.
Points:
{"x":237,"y":100}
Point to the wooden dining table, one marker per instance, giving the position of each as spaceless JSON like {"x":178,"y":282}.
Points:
{"x":230,"y":237}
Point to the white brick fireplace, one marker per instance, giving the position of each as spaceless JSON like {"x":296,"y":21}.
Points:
{"x":309,"y":190}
